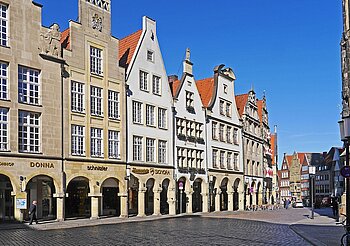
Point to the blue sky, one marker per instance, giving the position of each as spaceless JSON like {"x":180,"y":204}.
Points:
{"x":289,"y":49}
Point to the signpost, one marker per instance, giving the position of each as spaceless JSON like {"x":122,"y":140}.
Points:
{"x":345,"y":171}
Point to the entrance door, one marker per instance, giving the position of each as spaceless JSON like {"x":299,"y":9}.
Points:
{"x":6,"y":200}
{"x":78,"y":203}
{"x":110,"y":198}
{"x":196,"y":196}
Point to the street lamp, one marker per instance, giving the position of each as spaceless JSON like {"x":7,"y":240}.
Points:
{"x":344,"y":126}
{"x":312,"y":172}
{"x":127,"y":179}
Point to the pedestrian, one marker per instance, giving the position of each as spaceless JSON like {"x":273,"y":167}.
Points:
{"x":335,"y":207}
{"x":284,"y":203}
{"x":32,"y":213}
{"x":287,"y":203}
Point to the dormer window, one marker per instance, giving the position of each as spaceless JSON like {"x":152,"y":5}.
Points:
{"x":150,"y":55}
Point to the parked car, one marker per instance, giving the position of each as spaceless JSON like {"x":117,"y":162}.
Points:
{"x":298,"y":205}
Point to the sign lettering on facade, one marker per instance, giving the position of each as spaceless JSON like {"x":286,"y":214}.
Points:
{"x":152,"y":171}
{"x":97,"y":168}
{"x":7,"y":164}
{"x":42,"y":164}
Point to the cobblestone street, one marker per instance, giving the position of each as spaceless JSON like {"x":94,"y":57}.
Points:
{"x":208,"y":229}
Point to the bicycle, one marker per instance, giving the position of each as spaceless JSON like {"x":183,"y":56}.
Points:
{"x":345,"y":239}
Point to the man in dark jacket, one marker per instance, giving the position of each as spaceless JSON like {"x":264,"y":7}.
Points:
{"x":32,"y":213}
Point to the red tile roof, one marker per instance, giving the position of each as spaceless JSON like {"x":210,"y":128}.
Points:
{"x":174,"y":86}
{"x":289,"y":159}
{"x":272,"y":141}
{"x":127,"y":47}
{"x":205,"y":88}
{"x":241,"y":101}
{"x":65,"y":39}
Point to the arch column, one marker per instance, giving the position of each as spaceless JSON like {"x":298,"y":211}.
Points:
{"x":230,"y":201}
{"x":156,"y":209}
{"x":217,"y":201}
{"x":123,"y":204}
{"x":95,"y":198}
{"x":18,"y":213}
{"x":141,"y":202}
{"x":205,"y":207}
{"x":189,"y":208}
{"x":171,"y":201}
{"x":60,"y":200}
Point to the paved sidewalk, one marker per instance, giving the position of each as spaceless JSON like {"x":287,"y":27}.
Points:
{"x":322,"y":230}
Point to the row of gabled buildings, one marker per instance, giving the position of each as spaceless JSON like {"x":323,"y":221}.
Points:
{"x":294,"y":177}
{"x":93,"y":126}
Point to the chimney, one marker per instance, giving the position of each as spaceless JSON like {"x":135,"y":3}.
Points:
{"x":172,"y":78}
{"x":187,"y":64}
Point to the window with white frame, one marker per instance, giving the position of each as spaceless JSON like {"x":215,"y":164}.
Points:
{"x":137,"y":148}
{"x":137,"y":112}
{"x":150,"y":55}
{"x":3,"y":80}
{"x":190,"y":157}
{"x":77,"y":97}
{"x":96,"y":142}
{"x":228,"y":134}
{"x":96,"y":101}
{"x":156,"y":81}
{"x":113,"y":104}
{"x":215,"y":158}
{"x":222,"y":159}
{"x":150,"y":115}
{"x":235,"y":136}
{"x":214,"y":130}
{"x":28,"y":85}
{"x":221,"y":132}
{"x":161,"y":151}
{"x":143,"y":81}
{"x":235,"y":161}
{"x":113,"y":144}
{"x":181,"y":157}
{"x":78,"y":140}
{"x":3,"y":24}
{"x":228,"y":109}
{"x":4,"y":129}
{"x":229,"y":160}
{"x":222,"y":107}
{"x":162,"y":118}
{"x":150,"y":150}
{"x":29,"y":132}
{"x":96,"y":61}
{"x":189,"y":99}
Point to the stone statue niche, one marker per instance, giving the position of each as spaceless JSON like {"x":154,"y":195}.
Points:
{"x":50,"y":41}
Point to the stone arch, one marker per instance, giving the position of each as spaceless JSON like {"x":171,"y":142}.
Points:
{"x":78,"y":201}
{"x":15,"y":182}
{"x":110,"y":199}
{"x":164,"y":196}
{"x":181,"y":194}
{"x":42,"y":187}
{"x":6,"y":198}
{"x":237,"y":190}
{"x":197,"y":199}
{"x":149,"y":196}
{"x":224,"y":189}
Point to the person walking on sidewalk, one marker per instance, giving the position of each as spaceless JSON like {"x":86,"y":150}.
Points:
{"x":335,"y":207}
{"x":32,"y":213}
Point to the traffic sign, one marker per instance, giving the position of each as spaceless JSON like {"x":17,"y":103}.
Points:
{"x":181,"y":185}
{"x":345,"y":171}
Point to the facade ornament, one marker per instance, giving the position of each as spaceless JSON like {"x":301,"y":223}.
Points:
{"x":96,"y":22}
{"x":188,"y":54}
{"x":50,"y":41}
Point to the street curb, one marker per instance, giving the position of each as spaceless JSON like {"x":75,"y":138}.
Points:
{"x":302,"y":234}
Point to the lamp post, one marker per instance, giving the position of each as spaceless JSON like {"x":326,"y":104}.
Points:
{"x":312,"y":172}
{"x":127,"y":179}
{"x":344,"y":126}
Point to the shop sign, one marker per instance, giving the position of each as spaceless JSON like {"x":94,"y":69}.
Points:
{"x":7,"y":164}
{"x":42,"y":164}
{"x":21,"y":203}
{"x":97,"y":168}
{"x":152,"y":171}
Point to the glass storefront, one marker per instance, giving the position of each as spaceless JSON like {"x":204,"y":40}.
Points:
{"x":78,"y":203}
{"x":6,"y":200}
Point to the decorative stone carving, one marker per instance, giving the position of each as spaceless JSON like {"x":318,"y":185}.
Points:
{"x":50,"y":41}
{"x":188,"y":54}
{"x":96,"y":22}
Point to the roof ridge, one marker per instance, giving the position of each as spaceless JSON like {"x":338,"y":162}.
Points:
{"x":131,"y":34}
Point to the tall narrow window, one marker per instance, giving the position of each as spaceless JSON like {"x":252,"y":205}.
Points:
{"x":137,"y":112}
{"x":3,"y":80}
{"x":229,"y":160}
{"x":235,"y":162}
{"x":221,"y":132}
{"x":189,"y":99}
{"x":96,"y":101}
{"x":113,"y":105}
{"x":28,"y":85}
{"x":150,"y":150}
{"x":156,"y":85}
{"x":162,"y":118}
{"x":137,"y":148}
{"x":215,"y":158}
{"x":161,"y":151}
{"x":228,"y":134}
{"x":150,"y":115}
{"x":29,"y":132}
{"x":96,"y":142}
{"x":222,"y":159}
{"x":96,"y":61}
{"x":222,"y":107}
{"x":214,"y":130}
{"x":228,"y":109}
{"x":143,"y":81}
{"x":3,"y":24}
{"x":113,"y":144}
{"x":235,"y":136}
{"x":150,"y":55}
{"x":78,"y":140}
{"x":3,"y":129}
{"x":78,"y":97}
